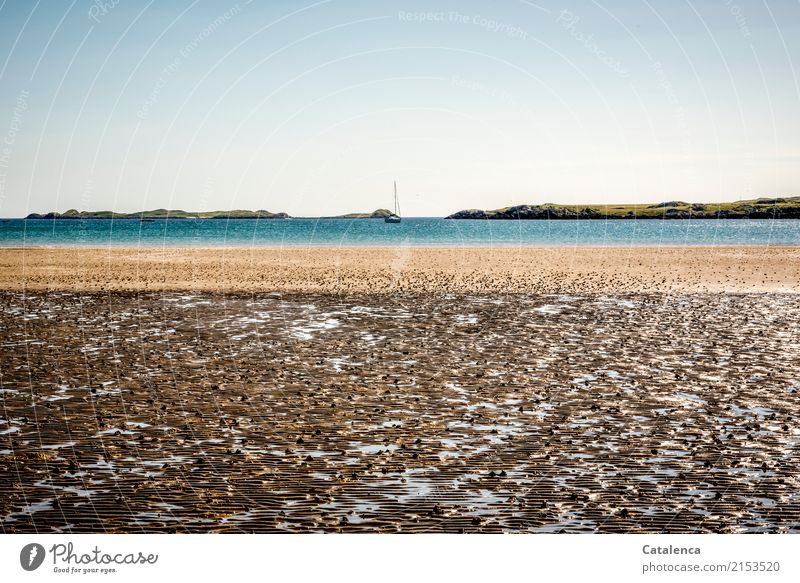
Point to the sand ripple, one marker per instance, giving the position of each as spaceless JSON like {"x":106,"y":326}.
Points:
{"x":194,"y":412}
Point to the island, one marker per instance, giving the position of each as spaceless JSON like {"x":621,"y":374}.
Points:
{"x":179,"y":214}
{"x":760,"y":208}
{"x":160,"y":214}
{"x":378,"y":214}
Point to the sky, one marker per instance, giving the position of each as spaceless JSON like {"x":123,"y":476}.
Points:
{"x":314,"y":107}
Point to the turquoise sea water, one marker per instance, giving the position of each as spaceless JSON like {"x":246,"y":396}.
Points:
{"x":412,"y":231}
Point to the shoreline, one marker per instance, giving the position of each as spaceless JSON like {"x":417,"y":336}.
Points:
{"x":411,"y":269}
{"x":383,"y":246}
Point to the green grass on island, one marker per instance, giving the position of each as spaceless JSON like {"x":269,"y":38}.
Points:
{"x":178,"y":214}
{"x":759,"y":208}
{"x":160,"y":214}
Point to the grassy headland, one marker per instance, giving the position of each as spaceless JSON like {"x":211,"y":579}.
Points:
{"x":160,"y":214}
{"x":179,"y":214}
{"x":760,"y":208}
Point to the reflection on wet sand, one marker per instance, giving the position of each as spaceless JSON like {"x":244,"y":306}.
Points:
{"x":428,"y":413}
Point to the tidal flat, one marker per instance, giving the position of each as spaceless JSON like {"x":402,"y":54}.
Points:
{"x":173,"y":411}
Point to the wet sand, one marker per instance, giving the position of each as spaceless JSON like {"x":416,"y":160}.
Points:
{"x":595,"y":411}
{"x":405,"y":269}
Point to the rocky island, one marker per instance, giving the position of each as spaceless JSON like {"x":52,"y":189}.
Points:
{"x":179,"y":214}
{"x":160,"y":214}
{"x":378,"y":214}
{"x":761,"y":208}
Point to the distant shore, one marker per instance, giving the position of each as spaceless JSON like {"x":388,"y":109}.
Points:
{"x":405,"y":269}
{"x":757,"y":208}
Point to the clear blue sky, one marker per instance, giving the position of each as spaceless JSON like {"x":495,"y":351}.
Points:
{"x":315,"y":107}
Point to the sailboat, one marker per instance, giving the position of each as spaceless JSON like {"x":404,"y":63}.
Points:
{"x":395,"y":216}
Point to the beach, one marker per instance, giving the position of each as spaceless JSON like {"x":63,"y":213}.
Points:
{"x":544,"y":390}
{"x":384,"y":270}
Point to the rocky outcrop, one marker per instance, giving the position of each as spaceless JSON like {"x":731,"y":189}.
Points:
{"x":756,"y":209}
{"x":529,"y":212}
{"x":469,"y":214}
{"x":160,"y":214}
{"x":378,"y":214}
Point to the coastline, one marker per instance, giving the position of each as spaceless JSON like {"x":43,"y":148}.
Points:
{"x":405,"y":269}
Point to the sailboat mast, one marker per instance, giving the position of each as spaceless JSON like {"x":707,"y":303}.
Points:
{"x":394,"y":217}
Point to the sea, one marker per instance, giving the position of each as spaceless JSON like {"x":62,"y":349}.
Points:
{"x":412,"y":231}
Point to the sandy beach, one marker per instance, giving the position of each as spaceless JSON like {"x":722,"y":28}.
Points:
{"x":405,"y":269}
{"x":412,"y":390}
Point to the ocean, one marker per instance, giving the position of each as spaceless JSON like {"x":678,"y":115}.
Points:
{"x":412,"y":231}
